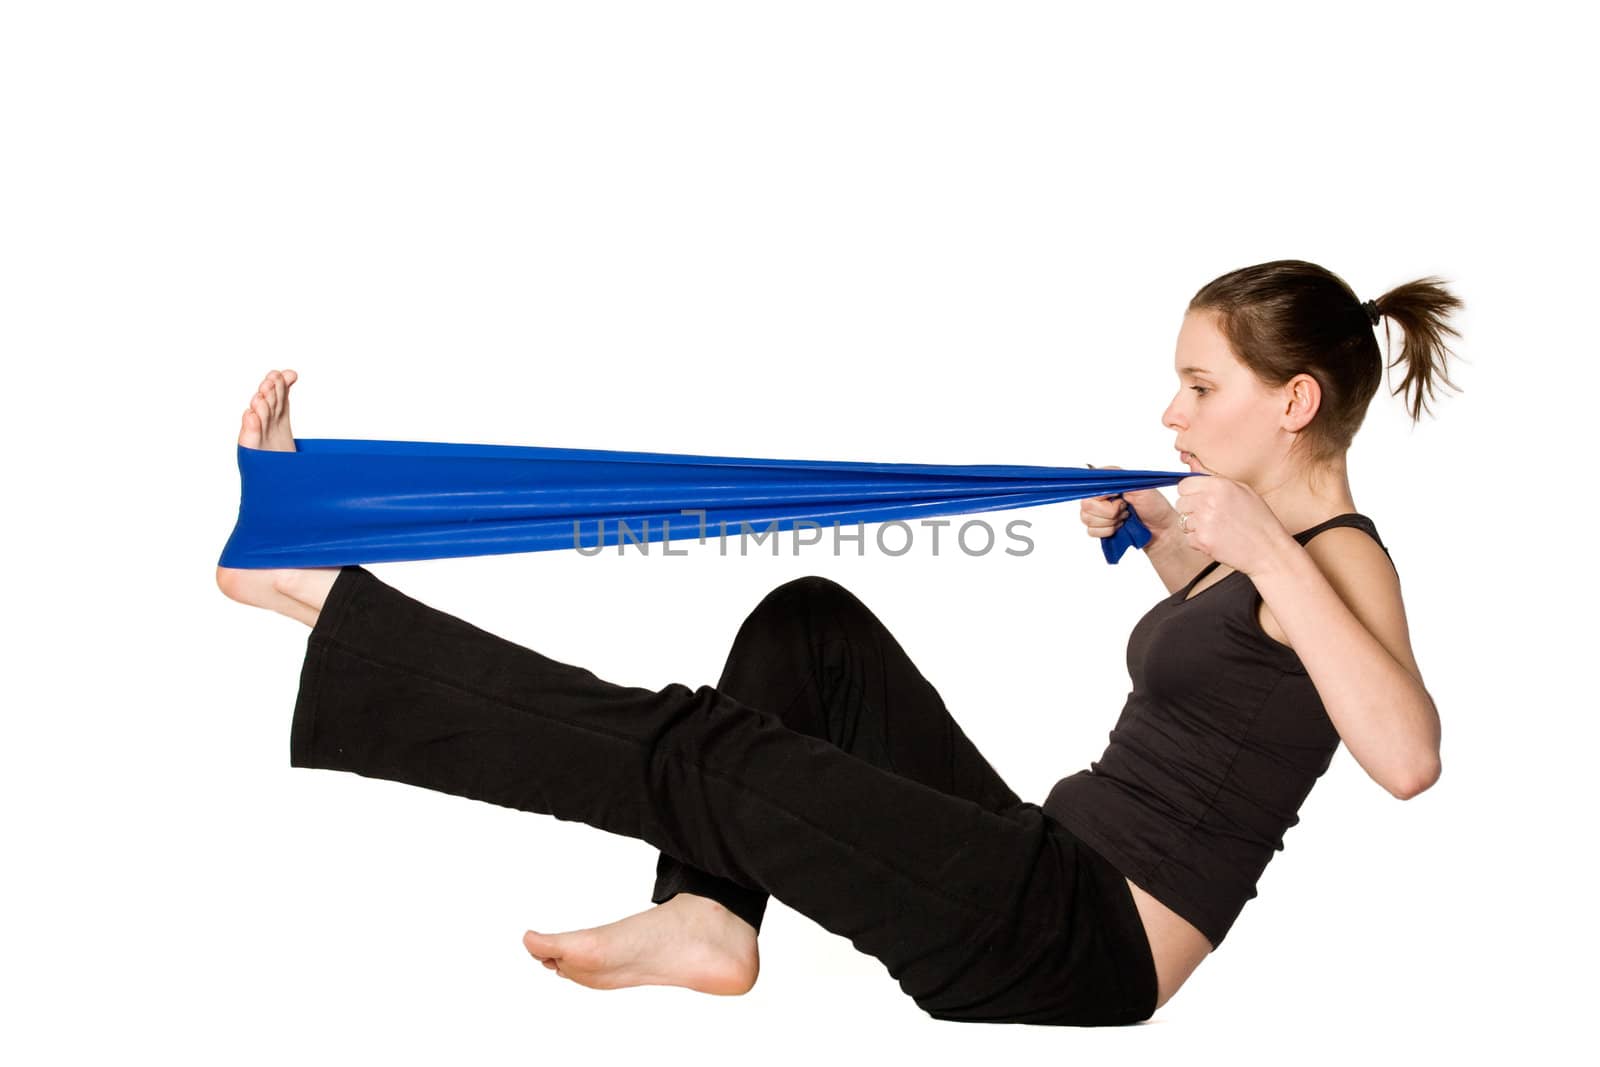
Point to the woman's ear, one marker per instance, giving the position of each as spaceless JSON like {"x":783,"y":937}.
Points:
{"x":1302,"y":398}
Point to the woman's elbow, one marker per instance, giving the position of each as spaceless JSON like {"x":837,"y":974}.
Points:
{"x":1419,"y":783}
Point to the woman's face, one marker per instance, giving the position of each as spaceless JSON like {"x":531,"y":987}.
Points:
{"x":1223,"y":416}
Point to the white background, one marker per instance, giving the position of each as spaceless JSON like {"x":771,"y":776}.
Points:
{"x":920,"y":232}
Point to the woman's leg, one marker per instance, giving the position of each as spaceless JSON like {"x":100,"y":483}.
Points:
{"x":814,"y":655}
{"x":979,"y":915}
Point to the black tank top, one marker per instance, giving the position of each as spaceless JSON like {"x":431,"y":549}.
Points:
{"x":1217,"y":747}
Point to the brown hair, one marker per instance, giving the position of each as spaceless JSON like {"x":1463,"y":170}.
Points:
{"x":1290,"y":317}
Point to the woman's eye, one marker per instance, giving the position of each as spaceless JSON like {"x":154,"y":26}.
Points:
{"x":1200,"y":389}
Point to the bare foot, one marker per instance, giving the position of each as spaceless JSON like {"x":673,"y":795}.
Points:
{"x":298,"y":592}
{"x":266,"y":420}
{"x":688,"y":941}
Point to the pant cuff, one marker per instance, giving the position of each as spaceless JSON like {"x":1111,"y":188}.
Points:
{"x":748,"y":904}
{"x":302,"y":729}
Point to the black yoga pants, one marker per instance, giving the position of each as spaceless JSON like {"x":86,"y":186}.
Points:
{"x":823,"y":770}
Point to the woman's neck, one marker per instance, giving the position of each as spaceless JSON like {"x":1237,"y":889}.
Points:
{"x":1301,"y":500}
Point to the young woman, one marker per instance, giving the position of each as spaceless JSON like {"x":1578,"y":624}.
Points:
{"x":825,"y":770}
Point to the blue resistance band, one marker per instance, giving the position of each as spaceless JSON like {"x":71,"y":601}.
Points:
{"x":336,"y":501}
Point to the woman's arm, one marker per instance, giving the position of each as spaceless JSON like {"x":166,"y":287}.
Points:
{"x":1337,"y":600}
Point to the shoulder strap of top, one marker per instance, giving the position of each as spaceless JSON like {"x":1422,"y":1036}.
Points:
{"x":1351,"y":518}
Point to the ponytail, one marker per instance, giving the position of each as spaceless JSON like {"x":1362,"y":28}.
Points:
{"x":1421,"y":307}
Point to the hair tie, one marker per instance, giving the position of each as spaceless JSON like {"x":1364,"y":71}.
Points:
{"x":1373,"y":314}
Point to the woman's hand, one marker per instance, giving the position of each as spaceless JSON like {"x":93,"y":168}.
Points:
{"x":1103,"y":515}
{"x":1229,"y":522}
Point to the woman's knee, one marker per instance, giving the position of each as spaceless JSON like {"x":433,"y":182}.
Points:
{"x":808,"y":603}
{"x":813,"y":596}
{"x":811,"y":585}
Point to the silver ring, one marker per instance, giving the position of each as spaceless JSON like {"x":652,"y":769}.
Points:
{"x":1183,"y":521}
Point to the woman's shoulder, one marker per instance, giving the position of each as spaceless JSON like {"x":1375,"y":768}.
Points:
{"x":1348,"y":520}
{"x":1357,"y":565}
{"x":1348,"y":535}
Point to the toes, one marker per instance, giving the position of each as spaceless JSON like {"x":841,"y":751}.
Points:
{"x":549,"y":950}
{"x":250,"y":429}
{"x":269,"y":391}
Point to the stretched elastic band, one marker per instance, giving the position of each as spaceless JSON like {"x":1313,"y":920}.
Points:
{"x":334,"y":502}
